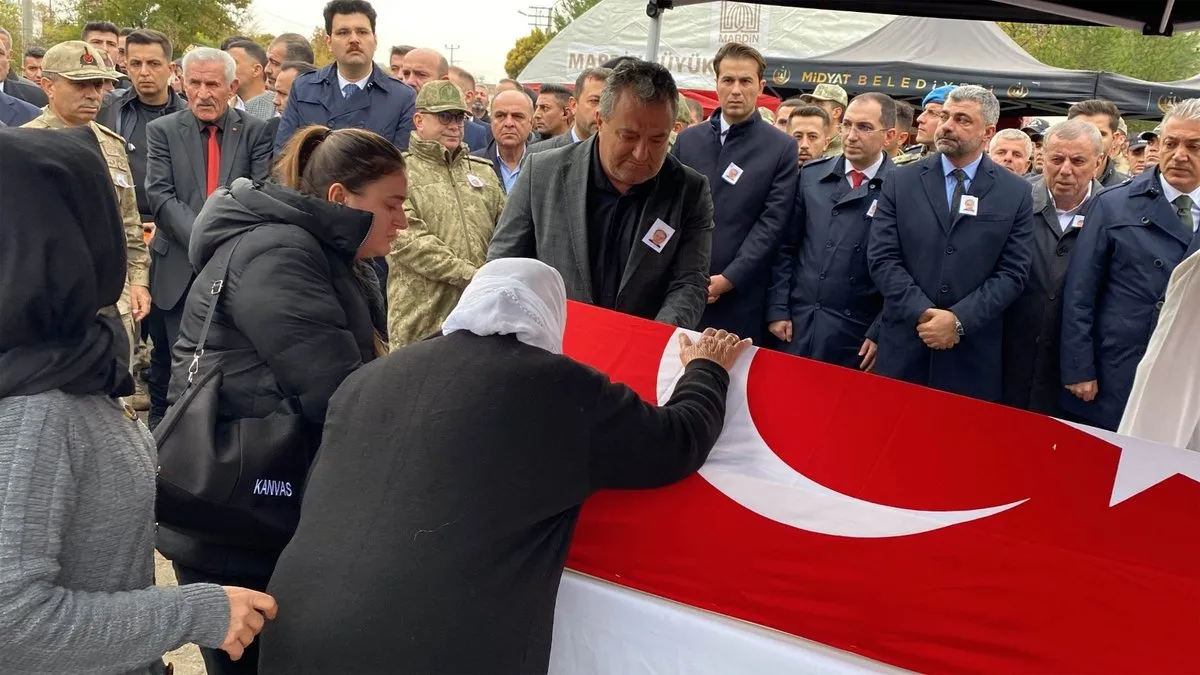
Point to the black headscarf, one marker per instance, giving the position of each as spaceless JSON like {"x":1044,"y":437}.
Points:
{"x":62,"y":260}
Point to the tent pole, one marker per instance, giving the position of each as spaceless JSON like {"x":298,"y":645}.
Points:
{"x":654,"y":10}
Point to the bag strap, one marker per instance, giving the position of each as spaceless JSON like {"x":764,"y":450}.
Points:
{"x":215,"y":291}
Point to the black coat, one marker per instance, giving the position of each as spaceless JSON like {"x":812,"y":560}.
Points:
{"x":821,"y":282}
{"x":1033,"y":323}
{"x":749,"y":217}
{"x":975,"y":266}
{"x":294,"y":319}
{"x":1115,"y":287}
{"x":438,"y":515}
{"x":116,"y":114}
{"x":19,"y":87}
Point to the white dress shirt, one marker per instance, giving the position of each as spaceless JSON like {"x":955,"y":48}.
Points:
{"x":342,"y":82}
{"x":869,"y":172}
{"x":724,"y":129}
{"x":1172,"y":194}
{"x":1065,"y":218}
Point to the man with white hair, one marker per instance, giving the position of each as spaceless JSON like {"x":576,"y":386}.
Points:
{"x":950,"y":249}
{"x":189,"y":154}
{"x":1012,"y":149}
{"x":1073,"y":152}
{"x":1136,"y":233}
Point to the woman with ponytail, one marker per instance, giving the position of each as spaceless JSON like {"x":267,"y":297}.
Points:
{"x":300,"y":308}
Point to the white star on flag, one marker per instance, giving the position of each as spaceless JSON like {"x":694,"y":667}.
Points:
{"x":1144,"y":464}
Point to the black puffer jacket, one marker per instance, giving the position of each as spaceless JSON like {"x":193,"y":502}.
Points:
{"x":297,"y":315}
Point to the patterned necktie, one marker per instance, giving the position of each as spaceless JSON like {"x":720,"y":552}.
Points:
{"x":856,"y":178}
{"x":960,"y":189}
{"x":350,"y":90}
{"x":1183,"y":209}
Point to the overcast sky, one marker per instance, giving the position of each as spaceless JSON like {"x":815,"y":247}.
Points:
{"x":484,"y":29}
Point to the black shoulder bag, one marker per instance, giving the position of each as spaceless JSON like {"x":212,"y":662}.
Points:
{"x":230,"y":482}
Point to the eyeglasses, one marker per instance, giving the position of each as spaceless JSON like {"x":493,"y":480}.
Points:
{"x":450,"y":118}
{"x":863,"y":128}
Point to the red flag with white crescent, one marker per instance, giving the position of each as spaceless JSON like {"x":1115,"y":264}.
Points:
{"x":921,"y":529}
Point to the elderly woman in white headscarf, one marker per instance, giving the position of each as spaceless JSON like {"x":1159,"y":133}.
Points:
{"x":438,"y":514}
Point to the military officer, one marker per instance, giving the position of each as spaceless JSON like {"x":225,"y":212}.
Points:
{"x":454,"y":201}
{"x":927,"y":124}
{"x":73,"y":77}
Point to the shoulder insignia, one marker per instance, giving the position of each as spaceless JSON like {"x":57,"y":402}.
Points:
{"x":109,"y":132}
{"x":480,"y":160}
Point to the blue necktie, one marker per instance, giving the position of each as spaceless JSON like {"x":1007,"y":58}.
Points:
{"x":349,"y":90}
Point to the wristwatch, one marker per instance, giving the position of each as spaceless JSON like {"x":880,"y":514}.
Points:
{"x":958,"y":328}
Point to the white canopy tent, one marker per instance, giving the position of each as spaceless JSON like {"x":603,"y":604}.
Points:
{"x":689,"y":36}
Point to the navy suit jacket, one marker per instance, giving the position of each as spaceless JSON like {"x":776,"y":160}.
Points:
{"x":477,"y":135}
{"x":750,"y":216}
{"x":386,"y":106}
{"x":922,"y":257}
{"x":1116,"y":283}
{"x":14,"y":112}
{"x":820,"y":281}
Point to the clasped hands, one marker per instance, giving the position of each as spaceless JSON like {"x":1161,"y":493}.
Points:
{"x":937,"y":328}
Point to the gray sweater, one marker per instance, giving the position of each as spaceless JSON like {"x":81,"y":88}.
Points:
{"x":77,"y":591}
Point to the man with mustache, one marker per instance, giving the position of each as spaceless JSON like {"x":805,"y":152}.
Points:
{"x":189,"y":154}
{"x":950,"y":249}
{"x":73,"y":77}
{"x":1136,"y":233}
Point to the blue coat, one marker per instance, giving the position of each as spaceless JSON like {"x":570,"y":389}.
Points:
{"x":975,"y":266}
{"x":477,"y":135}
{"x":14,"y":112}
{"x":1116,"y":281}
{"x":750,"y":216}
{"x":385,"y":106}
{"x":820,"y":280}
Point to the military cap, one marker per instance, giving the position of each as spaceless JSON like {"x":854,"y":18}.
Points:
{"x":78,"y":61}
{"x":440,"y":96}
{"x":938,"y":95}
{"x":827,"y":92}
{"x":766,"y":115}
{"x":1036,"y":128}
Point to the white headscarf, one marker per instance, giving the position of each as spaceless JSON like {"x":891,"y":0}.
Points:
{"x":514,"y":296}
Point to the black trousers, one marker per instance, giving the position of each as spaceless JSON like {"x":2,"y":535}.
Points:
{"x":217,"y":662}
{"x":164,"y":331}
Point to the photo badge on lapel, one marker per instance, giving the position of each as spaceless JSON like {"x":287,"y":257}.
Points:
{"x":660,"y":233}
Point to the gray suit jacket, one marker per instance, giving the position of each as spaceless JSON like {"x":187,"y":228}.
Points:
{"x":559,"y":141}
{"x":550,"y":223}
{"x":176,"y":187}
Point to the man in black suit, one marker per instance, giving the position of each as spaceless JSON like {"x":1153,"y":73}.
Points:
{"x":512,"y":122}
{"x":190,"y":154}
{"x":751,"y":170}
{"x":13,"y":84}
{"x":626,"y":225}
{"x":586,"y":99}
{"x":950,"y":249}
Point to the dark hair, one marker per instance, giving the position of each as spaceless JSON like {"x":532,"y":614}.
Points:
{"x":648,"y":82}
{"x":301,"y":67}
{"x":463,"y":75}
{"x":792,"y":103}
{"x":145,"y":36}
{"x":298,"y":47}
{"x":811,"y":111}
{"x":531,"y":94}
{"x":99,"y":27}
{"x":613,"y":63}
{"x":598,"y":74}
{"x":887,"y":107}
{"x":904,"y":115}
{"x":126,"y":31}
{"x":344,"y":7}
{"x":252,"y":49}
{"x":737,"y":50}
{"x":401,"y":50}
{"x":36,"y":52}
{"x":561,"y":94}
{"x":1097,"y":106}
{"x":232,"y":39}
{"x":317,"y":157}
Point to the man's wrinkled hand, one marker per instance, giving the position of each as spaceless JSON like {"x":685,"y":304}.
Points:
{"x":718,"y":346}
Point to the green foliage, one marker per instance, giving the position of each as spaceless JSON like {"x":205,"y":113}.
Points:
{"x":524,"y":50}
{"x":1116,"y":50}
{"x":320,"y":46}
{"x":567,"y":11}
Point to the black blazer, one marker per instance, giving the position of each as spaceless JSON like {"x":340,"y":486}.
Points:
{"x":175,"y":187}
{"x":441,"y":506}
{"x":921,"y":257}
{"x":19,"y":87}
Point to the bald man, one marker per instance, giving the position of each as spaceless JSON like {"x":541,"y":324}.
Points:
{"x":512,"y":122}
{"x":423,"y":65}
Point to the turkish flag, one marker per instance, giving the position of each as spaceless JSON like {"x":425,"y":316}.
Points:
{"x":922,"y":529}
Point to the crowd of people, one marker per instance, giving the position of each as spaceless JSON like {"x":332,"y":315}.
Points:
{"x":384,"y":252}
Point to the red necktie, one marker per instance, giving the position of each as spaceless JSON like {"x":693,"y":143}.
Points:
{"x":856,"y":178}
{"x":214,"y":160}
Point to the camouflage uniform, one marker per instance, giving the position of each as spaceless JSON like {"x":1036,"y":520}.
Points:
{"x":834,"y":149}
{"x":829,"y":93}
{"x":76,"y":60}
{"x":910,"y":154}
{"x":454,"y":201}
